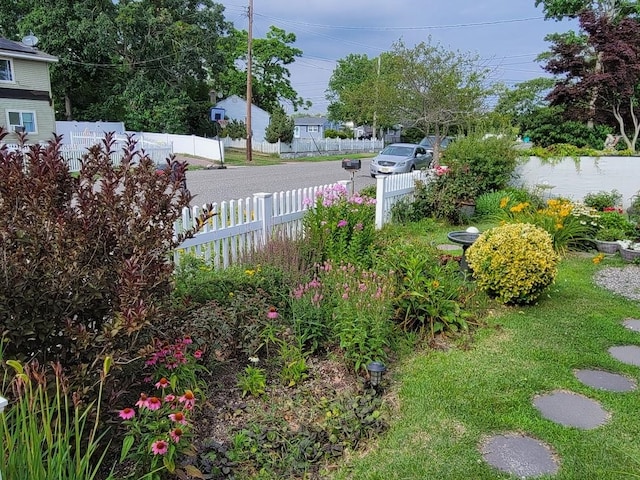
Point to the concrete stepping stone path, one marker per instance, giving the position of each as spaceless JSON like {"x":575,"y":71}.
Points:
{"x":571,"y":409}
{"x":629,"y":354}
{"x":519,"y":455}
{"x":612,"y":382}
{"x":527,"y":457}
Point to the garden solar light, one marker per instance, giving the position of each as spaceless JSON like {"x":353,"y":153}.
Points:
{"x":376,"y":370}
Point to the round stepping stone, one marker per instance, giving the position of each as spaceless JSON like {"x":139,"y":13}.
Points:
{"x":571,"y":410}
{"x":612,"y":382}
{"x":519,"y":455}
{"x":632,"y":324}
{"x":629,"y":354}
{"x":448,"y":247}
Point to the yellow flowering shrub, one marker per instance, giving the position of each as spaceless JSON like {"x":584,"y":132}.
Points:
{"x":513,"y":262}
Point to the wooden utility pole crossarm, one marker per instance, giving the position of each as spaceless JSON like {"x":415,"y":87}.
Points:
{"x":249,"y":87}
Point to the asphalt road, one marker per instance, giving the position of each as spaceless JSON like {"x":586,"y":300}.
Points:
{"x":233,"y":183}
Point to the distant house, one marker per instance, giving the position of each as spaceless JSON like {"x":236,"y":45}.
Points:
{"x":26,"y":104}
{"x":236,"y":109}
{"x":310,"y":127}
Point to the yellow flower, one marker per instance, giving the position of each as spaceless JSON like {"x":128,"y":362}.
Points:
{"x":598,"y":258}
{"x":435,"y":284}
{"x":504,"y":201}
{"x":250,"y":272}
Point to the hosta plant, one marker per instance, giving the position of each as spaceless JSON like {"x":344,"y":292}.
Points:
{"x":514,"y":262}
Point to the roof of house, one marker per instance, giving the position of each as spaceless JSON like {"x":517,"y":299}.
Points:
{"x":310,"y":121}
{"x":9,"y":48}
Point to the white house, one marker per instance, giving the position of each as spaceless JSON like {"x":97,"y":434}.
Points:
{"x":236,"y":109}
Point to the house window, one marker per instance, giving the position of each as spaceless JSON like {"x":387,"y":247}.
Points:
{"x":6,"y":70}
{"x":20,"y":120}
{"x":296,"y":132}
{"x":313,"y":129}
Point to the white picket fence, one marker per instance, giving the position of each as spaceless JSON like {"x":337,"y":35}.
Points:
{"x":240,"y":226}
{"x":301,"y":147}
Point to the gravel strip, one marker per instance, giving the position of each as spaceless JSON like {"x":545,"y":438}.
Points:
{"x":624,"y":281}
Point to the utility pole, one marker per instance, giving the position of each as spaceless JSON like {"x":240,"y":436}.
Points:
{"x":249,"y":88}
{"x":375,"y":111}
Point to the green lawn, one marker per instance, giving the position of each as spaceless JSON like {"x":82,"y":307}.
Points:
{"x":234,"y":156}
{"x":446,"y":402}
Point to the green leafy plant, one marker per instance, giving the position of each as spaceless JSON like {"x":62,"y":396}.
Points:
{"x":158,"y":431}
{"x":514,"y":262}
{"x":601,"y":200}
{"x":46,"y":433}
{"x":252,"y":381}
{"x":362,"y":312}
{"x":339,"y":227}
{"x":610,"y":234}
{"x":429,"y":294}
{"x":294,"y":363}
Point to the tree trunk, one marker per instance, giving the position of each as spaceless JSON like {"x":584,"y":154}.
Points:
{"x":594,"y":93}
{"x":67,"y":108}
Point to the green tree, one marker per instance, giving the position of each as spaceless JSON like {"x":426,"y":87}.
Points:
{"x":348,"y":78}
{"x":280,"y":128}
{"x":432,"y":88}
{"x":270,"y":76}
{"x":559,"y":9}
{"x":524,"y":98}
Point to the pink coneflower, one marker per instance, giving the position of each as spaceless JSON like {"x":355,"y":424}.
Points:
{"x":143,"y":401}
{"x":169,"y":398}
{"x":178,"y":417}
{"x":159,"y":447}
{"x":272,"y":313}
{"x":342,"y":223}
{"x":154,"y":403}
{"x":175,"y":434}
{"x":187,"y":340}
{"x":197,"y":354}
{"x":127,"y":413}
{"x":188,"y":399}
{"x":162,"y":383}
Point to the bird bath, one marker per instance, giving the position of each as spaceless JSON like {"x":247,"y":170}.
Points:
{"x":465,"y":239}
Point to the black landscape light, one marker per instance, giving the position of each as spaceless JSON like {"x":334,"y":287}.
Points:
{"x":376,"y":370}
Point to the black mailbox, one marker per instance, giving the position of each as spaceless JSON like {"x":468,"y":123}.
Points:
{"x":349,"y":164}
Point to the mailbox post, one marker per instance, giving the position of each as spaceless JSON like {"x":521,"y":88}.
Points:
{"x":352,"y":166}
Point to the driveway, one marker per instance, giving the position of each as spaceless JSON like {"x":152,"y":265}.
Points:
{"x":235,"y":182}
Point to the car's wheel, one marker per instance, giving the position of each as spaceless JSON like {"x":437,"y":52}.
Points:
{"x":413,"y":167}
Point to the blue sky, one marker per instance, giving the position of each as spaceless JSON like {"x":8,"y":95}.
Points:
{"x":506,"y":34}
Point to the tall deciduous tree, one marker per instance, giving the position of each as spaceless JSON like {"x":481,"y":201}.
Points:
{"x":432,"y":88}
{"x":559,"y":9}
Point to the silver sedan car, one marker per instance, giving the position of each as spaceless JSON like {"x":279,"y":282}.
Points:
{"x":400,"y":158}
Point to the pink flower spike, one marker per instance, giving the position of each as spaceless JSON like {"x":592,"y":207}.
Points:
{"x":272,"y":313}
{"x":159,"y":447}
{"x":178,"y":417}
{"x":188,"y":399}
{"x":127,"y":413}
{"x":154,"y":403}
{"x":162,"y":383}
